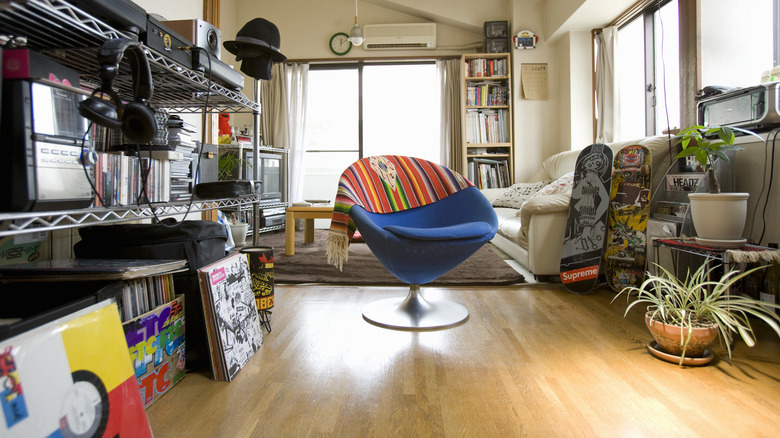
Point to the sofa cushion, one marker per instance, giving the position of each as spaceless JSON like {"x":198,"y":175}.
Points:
{"x":561,"y":186}
{"x":556,"y":166}
{"x":517,"y":194}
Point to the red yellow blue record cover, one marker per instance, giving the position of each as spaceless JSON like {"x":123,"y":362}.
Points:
{"x":72,"y":377}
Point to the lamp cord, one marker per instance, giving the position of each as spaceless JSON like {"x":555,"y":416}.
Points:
{"x":145,"y":175}
{"x":775,"y":132}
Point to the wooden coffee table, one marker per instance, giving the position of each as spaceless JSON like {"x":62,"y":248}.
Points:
{"x":307,"y":213}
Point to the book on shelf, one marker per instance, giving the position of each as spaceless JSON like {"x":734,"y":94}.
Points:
{"x":232,"y":322}
{"x":486,"y":67}
{"x":488,"y":173}
{"x":488,"y":93}
{"x":487,"y":126}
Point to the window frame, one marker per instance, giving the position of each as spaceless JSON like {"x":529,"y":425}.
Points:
{"x":359,"y":65}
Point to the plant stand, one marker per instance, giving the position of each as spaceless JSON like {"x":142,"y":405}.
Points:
{"x":727,"y":257}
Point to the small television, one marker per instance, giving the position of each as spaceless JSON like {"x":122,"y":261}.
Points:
{"x":271,"y":174}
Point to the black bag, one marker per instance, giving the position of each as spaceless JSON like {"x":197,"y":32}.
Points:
{"x":199,"y":242}
{"x":226,"y":189}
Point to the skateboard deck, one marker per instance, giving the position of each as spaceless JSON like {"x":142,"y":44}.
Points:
{"x":586,"y":226}
{"x":629,"y":208}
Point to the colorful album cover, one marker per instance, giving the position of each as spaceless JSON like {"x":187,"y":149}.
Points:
{"x":156,"y":344}
{"x":231,"y":315}
{"x":71,"y":377}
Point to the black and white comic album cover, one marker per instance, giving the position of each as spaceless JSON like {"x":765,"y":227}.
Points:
{"x":232,"y":313}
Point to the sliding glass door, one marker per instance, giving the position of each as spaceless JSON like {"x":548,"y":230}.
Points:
{"x":361,"y":109}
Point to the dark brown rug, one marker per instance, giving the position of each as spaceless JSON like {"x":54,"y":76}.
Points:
{"x":309,"y":265}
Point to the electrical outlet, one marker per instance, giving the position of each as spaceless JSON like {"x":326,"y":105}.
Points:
{"x":773,"y":245}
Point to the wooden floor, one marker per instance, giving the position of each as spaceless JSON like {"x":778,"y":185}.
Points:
{"x":531,"y":361}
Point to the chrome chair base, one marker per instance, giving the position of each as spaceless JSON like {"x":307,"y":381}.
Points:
{"x":414,"y":312}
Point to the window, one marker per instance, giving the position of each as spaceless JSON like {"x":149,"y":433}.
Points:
{"x":355,"y":110}
{"x":736,"y":54}
{"x":649,"y":95}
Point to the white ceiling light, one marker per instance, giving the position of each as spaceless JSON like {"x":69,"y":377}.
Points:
{"x":355,"y":34}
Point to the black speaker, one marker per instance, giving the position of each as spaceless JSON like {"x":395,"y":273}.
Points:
{"x":135,"y":119}
{"x":496,"y":36}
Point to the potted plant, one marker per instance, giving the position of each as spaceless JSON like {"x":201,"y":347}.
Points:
{"x":708,"y":144}
{"x":229,"y":165}
{"x":677,"y":309}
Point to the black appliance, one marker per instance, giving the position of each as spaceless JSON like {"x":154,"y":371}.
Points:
{"x":167,"y":42}
{"x":42,"y":132}
{"x":221,"y":73}
{"x":120,"y":14}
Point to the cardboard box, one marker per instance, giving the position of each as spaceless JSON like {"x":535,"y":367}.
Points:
{"x":23,"y":248}
{"x":156,"y":344}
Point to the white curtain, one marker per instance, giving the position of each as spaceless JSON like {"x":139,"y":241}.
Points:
{"x":273,"y":109}
{"x":298,"y":84}
{"x":448,"y":71}
{"x":607,"y":93}
{"x":283,"y":118}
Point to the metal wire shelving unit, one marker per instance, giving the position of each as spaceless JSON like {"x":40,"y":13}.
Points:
{"x":72,"y":37}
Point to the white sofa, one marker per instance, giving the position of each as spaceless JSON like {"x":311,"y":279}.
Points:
{"x":533,"y":233}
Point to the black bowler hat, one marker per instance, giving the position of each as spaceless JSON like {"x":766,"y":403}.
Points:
{"x":257,"y":47}
{"x":258,"y":37}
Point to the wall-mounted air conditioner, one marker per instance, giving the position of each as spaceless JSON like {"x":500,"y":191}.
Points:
{"x":400,"y":36}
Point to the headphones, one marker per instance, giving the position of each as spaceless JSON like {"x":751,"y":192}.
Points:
{"x":135,"y":119}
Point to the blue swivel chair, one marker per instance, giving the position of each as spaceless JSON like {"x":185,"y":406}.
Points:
{"x":420,"y":244}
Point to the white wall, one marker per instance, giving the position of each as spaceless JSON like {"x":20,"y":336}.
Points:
{"x":306,"y":26}
{"x":177,"y":10}
{"x":580,"y":89}
{"x":537,"y":122}
{"x":173,"y":9}
{"x":749,"y":166}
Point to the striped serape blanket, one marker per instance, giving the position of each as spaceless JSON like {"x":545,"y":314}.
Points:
{"x":385,"y":184}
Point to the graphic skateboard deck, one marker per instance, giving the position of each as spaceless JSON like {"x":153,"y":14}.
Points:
{"x":629,"y":208}
{"x":586,"y":226}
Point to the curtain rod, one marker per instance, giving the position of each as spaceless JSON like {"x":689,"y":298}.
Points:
{"x":390,"y":58}
{"x":632,"y":12}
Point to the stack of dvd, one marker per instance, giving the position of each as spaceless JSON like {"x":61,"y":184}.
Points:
{"x":180,"y":141}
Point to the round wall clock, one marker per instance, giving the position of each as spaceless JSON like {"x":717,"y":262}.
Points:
{"x":339,"y":44}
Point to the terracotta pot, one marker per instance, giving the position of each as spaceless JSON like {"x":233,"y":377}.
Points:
{"x":668,"y":337}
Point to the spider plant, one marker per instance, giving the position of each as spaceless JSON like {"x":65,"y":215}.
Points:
{"x":698,"y":301}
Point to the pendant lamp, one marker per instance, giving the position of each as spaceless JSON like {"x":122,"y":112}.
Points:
{"x":355,"y":34}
